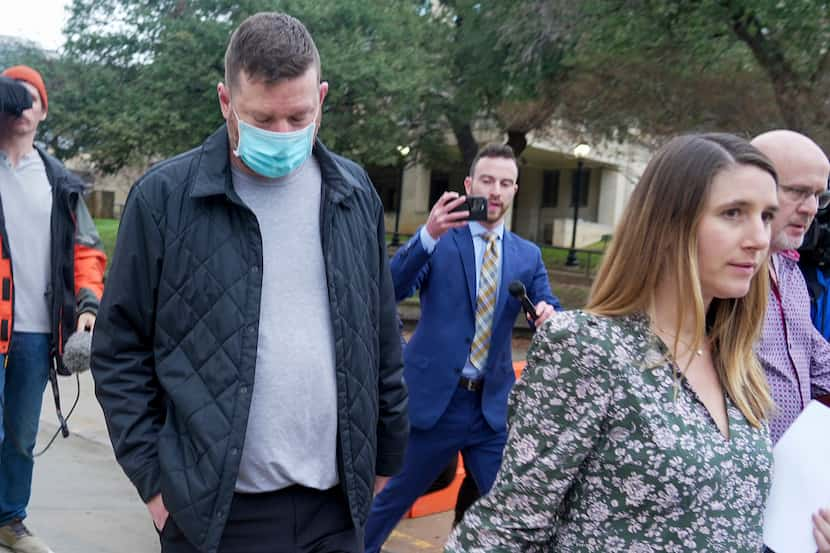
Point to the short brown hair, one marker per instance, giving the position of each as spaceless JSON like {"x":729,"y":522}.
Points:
{"x":271,"y":46}
{"x":493,"y":150}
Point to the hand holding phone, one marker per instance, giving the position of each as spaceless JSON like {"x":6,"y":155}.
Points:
{"x":476,"y":205}
{"x":445,"y":214}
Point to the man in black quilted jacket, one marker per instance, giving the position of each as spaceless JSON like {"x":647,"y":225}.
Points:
{"x":247,"y":355}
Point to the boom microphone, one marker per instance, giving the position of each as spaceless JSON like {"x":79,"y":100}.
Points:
{"x":76,"y":352}
{"x":517,"y":290}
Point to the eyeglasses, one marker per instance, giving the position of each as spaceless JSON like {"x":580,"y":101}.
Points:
{"x":799,"y":194}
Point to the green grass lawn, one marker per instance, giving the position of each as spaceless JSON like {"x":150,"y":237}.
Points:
{"x":571,"y":296}
{"x":108,"y":229}
{"x":552,"y":257}
{"x":556,"y":257}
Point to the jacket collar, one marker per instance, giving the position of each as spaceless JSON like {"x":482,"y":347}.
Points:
{"x":790,"y":254}
{"x":59,"y":177}
{"x":213,"y":173}
{"x":477,"y":229}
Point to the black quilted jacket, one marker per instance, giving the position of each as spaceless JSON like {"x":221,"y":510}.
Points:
{"x":175,"y":341}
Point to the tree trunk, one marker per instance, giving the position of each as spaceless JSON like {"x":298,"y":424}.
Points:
{"x":791,"y":92}
{"x":467,"y":144}
{"x":800,"y":97}
{"x":518,"y":141}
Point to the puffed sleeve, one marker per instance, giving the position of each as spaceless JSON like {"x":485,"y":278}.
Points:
{"x":556,"y":415}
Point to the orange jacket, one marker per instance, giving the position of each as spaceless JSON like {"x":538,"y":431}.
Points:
{"x":78,"y":260}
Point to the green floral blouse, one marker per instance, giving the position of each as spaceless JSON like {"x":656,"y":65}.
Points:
{"x":609,"y":451}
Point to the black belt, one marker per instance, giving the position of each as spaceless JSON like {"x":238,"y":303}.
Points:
{"x":471,"y":385}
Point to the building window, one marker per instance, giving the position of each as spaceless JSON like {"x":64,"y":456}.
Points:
{"x":438,"y":184}
{"x":386,"y":180}
{"x":584,"y":187}
{"x":547,"y":233}
{"x":550,"y":189}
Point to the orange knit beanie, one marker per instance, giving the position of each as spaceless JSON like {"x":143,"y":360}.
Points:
{"x":29,"y":75}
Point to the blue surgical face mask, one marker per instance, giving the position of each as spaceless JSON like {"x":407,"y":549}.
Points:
{"x":273,"y":154}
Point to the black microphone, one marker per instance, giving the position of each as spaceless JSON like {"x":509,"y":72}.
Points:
{"x":517,"y":290}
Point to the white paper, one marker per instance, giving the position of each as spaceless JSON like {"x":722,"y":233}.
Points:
{"x":800,"y":482}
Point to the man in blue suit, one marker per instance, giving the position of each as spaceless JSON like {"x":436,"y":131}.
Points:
{"x":458,"y":364}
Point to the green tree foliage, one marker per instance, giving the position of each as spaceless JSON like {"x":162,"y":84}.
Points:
{"x":138,"y":77}
{"x":385,"y":71}
{"x":665,"y":66}
{"x":145,"y":74}
{"x":498,"y":72}
{"x":14,"y":51}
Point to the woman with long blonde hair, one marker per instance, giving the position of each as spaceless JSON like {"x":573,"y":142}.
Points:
{"x":639,"y":424}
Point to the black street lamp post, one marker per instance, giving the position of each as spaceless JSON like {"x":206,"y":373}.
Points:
{"x":576,"y":194}
{"x":396,"y":240}
{"x":403,"y":151}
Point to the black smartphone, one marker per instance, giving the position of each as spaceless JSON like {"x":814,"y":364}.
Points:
{"x":476,"y":205}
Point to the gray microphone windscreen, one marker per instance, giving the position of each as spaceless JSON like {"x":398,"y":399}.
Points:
{"x":76,"y":352}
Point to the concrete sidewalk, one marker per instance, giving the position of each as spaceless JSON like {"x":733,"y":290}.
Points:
{"x":81,"y":500}
{"x":83,"y":503}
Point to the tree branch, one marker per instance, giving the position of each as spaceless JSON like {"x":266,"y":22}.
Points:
{"x":517,"y":140}
{"x":788,"y":85}
{"x":770,"y":55}
{"x":822,"y":69}
{"x":467,"y":144}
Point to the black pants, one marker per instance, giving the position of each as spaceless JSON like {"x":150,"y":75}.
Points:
{"x":467,"y":493}
{"x":292,"y":520}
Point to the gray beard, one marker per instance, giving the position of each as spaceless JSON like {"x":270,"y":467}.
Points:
{"x":784,"y":242}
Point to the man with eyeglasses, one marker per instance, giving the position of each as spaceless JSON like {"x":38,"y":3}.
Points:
{"x":795,"y":356}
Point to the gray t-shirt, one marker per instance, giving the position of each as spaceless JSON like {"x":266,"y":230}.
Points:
{"x":292,"y":425}
{"x":27,"y":207}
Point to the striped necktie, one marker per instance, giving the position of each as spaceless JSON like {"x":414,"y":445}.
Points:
{"x":486,"y":302}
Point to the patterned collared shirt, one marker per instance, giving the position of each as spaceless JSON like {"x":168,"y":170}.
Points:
{"x":795,"y":356}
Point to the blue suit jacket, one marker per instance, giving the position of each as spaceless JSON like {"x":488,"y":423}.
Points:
{"x":440,"y":346}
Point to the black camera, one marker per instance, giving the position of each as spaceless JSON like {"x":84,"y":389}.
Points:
{"x":476,"y":205}
{"x":14,"y":98}
{"x":815,"y":249}
{"x":814,"y":262}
